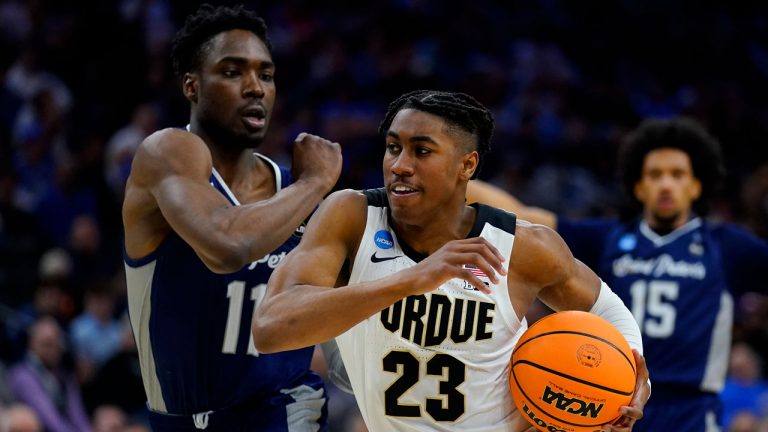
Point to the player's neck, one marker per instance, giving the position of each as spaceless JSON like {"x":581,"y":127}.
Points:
{"x":428,"y":237}
{"x":250,"y":178}
{"x":665,"y":225}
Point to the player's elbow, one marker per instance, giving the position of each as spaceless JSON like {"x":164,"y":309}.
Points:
{"x":266,"y":335}
{"x":226,"y":258}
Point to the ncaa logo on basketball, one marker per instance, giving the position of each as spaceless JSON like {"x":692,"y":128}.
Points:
{"x":571,"y":405}
{"x":383,"y":239}
{"x":589,"y":355}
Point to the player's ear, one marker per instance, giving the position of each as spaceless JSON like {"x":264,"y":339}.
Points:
{"x":190,"y":86}
{"x":469,"y":164}
{"x":695,"y":189}
{"x":639,"y":191}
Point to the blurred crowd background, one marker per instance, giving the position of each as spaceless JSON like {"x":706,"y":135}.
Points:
{"x":82,"y":83}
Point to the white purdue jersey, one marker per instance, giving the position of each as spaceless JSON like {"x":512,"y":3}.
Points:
{"x":437,"y":361}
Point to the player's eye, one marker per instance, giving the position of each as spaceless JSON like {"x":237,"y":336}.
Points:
{"x":267,"y":76}
{"x":230,"y":73}
{"x":393,"y":147}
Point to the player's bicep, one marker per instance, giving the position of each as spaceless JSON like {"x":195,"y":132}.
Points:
{"x":175,"y":169}
{"x":564,"y":283}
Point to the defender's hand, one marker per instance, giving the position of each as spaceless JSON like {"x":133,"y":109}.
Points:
{"x":317,"y":160}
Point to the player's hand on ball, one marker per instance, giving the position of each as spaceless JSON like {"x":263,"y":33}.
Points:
{"x":634,"y":411}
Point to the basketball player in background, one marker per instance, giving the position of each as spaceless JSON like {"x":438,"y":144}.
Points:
{"x":206,"y":221}
{"x":417,"y":258}
{"x":676,"y":271}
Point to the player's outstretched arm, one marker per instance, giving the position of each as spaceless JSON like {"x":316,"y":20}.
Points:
{"x":486,"y":193}
{"x":301,"y":307}
{"x":544,"y":263}
{"x":169,"y":189}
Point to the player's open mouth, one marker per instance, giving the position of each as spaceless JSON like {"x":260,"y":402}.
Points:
{"x":402,"y":190}
{"x":255,"y":117}
{"x":254,"y":123}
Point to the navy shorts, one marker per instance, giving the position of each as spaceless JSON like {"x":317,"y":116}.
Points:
{"x":680,"y":411}
{"x":303,"y":408}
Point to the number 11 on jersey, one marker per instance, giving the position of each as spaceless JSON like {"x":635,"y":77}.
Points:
{"x":236,"y":294}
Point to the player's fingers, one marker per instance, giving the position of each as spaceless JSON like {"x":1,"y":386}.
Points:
{"x":475,"y":281}
{"x":632,"y":412}
{"x":480,"y":255}
{"x":493,"y":250}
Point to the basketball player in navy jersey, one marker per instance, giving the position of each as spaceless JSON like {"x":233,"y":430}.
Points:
{"x":677,"y":272}
{"x":435,"y":293}
{"x":206,"y":221}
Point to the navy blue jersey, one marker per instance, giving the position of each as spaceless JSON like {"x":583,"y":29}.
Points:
{"x":193,"y":327}
{"x":680,"y":288}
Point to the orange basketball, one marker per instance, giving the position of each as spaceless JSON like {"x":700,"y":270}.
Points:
{"x":571,"y":372}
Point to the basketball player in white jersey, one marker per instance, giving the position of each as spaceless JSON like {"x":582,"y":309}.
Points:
{"x":433,"y":292}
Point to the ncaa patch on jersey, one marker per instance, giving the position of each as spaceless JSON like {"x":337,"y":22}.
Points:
{"x":627,"y":242}
{"x":383,"y":239}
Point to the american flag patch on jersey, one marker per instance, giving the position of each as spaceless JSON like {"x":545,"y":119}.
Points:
{"x":475,"y":271}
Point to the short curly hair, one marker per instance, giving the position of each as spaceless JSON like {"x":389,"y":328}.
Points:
{"x":457,"y":109}
{"x":680,"y":133}
{"x":191,"y":41}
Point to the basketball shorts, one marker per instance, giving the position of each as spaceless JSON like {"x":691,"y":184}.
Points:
{"x":299,"y":409}
{"x":673,"y":410}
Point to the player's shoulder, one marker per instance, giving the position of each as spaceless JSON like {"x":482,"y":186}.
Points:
{"x":172,"y":148}
{"x":538,"y":250}
{"x":342,"y":213}
{"x":344,"y":204}
{"x":730,"y":233}
{"x":536,"y":237}
{"x":347,"y":196}
{"x":168,"y":141}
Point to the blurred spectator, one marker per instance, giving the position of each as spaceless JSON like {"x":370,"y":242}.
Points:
{"x":51,"y":296}
{"x":123,"y":144}
{"x":121,"y":371}
{"x":108,"y":418}
{"x":21,"y":243}
{"x":745,"y":389}
{"x":63,"y":202}
{"x":27,"y":78}
{"x":752,"y":324}
{"x":42,"y":382}
{"x":91,"y":265}
{"x":19,"y":418}
{"x":744,"y":421}
{"x":135,"y":427}
{"x":42,"y":115}
{"x":5,"y":393}
{"x":755,"y":201}
{"x":95,"y":334}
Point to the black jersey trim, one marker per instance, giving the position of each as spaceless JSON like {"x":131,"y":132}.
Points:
{"x":377,"y":197}
{"x":497,"y":217}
